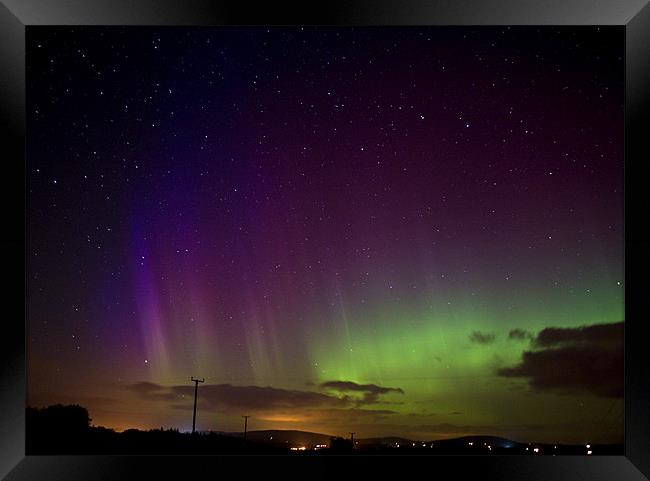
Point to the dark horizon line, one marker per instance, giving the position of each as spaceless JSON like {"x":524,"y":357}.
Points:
{"x":333,"y":436}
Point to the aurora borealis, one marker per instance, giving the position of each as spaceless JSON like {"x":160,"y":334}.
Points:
{"x":410,"y":231}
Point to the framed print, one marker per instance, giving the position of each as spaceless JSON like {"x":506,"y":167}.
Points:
{"x":363,"y":234}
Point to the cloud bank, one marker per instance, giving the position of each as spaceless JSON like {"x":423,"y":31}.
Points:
{"x":587,"y":359}
{"x":227,"y":397}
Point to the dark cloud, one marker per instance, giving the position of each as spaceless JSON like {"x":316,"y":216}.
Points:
{"x":353,"y":386}
{"x":604,"y":335}
{"x":519,"y":335}
{"x":371,"y":392}
{"x":217,"y":397}
{"x":482,"y":337}
{"x":227,"y":396}
{"x":573,"y":360}
{"x":152,"y":392}
{"x":254,"y":397}
{"x":145,"y":387}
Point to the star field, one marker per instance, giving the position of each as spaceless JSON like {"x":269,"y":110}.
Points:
{"x":290,"y":207}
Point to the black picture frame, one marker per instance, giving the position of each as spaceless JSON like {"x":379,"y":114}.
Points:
{"x":16,"y":15}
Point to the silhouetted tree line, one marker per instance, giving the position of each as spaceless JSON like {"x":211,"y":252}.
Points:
{"x":339,"y":445}
{"x":67,"y":430}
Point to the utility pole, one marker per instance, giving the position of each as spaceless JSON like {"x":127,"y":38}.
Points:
{"x":245,"y":428}
{"x":196,"y":390}
{"x":352,"y":438}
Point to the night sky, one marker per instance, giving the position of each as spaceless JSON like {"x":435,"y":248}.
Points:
{"x":394,"y":231}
